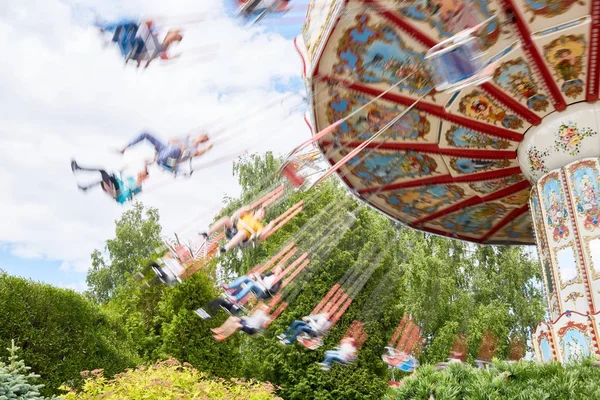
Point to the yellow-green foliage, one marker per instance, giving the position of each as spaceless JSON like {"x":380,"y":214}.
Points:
{"x":167,"y":380}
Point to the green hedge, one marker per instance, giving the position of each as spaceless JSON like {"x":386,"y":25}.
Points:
{"x":60,"y":332}
{"x":522,"y":380}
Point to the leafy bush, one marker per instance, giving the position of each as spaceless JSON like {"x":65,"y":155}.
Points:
{"x":60,"y":332}
{"x":168,"y":380}
{"x":522,"y":380}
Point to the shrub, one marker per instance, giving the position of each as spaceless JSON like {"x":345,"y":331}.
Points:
{"x":60,"y":332}
{"x":520,"y":380}
{"x":167,"y":380}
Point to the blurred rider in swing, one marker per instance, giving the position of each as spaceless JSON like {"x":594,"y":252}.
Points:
{"x":313,"y":325}
{"x":132,"y":37}
{"x":251,"y":325}
{"x":171,"y":155}
{"x":121,"y":189}
{"x":247,"y":224}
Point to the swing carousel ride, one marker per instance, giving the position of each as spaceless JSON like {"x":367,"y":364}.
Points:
{"x":469,"y":119}
{"x":473,"y":120}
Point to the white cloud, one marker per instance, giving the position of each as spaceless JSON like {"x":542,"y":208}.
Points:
{"x":80,"y":286}
{"x":64,"y":95}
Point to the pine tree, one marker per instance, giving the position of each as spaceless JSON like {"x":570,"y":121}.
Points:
{"x":15,"y":381}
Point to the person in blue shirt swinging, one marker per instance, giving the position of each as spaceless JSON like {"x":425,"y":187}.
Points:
{"x":169,"y":156}
{"x":121,"y":189}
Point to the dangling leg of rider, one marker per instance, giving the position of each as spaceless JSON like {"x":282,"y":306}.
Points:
{"x":109,"y":182}
{"x":295,"y":330}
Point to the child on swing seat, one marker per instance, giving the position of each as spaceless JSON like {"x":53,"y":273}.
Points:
{"x":313,"y":325}
{"x":250,"y":325}
{"x":170,"y":156}
{"x":248,"y":224}
{"x":121,"y":190}
{"x":133,"y":37}
{"x":344,"y":354}
{"x":263,"y":286}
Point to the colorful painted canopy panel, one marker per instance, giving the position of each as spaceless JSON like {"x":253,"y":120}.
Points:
{"x":449,"y":166}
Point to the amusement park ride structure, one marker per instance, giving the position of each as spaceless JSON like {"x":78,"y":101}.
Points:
{"x":511,"y":158}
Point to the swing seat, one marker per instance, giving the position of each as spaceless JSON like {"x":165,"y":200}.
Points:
{"x":201,"y":312}
{"x":393,"y":361}
{"x":400,"y":360}
{"x":309,"y":342}
{"x":151,"y":47}
{"x":390,"y":350}
{"x":234,"y":310}
{"x":170,"y":165}
{"x":170,"y":270}
{"x":183,"y":253}
{"x":138,"y":42}
{"x":405,"y":366}
{"x":124,"y":37}
{"x":408,"y":366}
{"x":257,"y":7}
{"x":457,"y":62}
{"x":160,"y":273}
{"x":303,"y":170}
{"x":290,"y":173}
{"x":244,"y":6}
{"x":230,"y":299}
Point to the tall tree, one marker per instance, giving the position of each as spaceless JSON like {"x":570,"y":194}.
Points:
{"x":137,"y":235}
{"x":452,"y":287}
{"x":256,"y":173}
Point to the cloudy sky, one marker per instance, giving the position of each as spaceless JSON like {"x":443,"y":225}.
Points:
{"x":64,"y":95}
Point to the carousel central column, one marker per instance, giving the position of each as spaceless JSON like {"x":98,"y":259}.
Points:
{"x":558,"y":224}
{"x":561,"y":159}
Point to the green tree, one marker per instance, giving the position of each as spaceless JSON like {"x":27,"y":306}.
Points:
{"x":137,"y":235}
{"x":452,"y":287}
{"x":157,"y":320}
{"x":187,"y":337}
{"x":15,"y":381}
{"x":255,"y":173}
{"x":136,"y":311}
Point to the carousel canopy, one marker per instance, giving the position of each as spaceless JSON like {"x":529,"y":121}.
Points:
{"x":450,"y":166}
